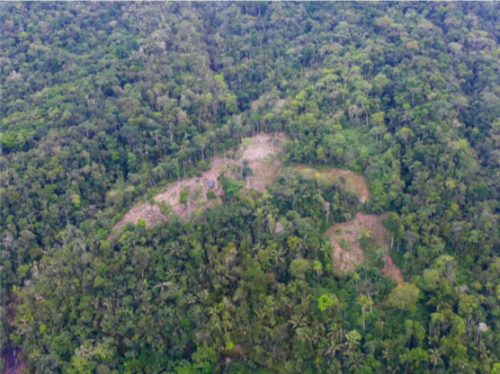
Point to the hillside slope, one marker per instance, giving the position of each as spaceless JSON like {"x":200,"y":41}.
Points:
{"x":106,"y":105}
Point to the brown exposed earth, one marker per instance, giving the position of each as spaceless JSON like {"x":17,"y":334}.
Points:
{"x":347,"y":248}
{"x":259,"y":151}
{"x":392,"y":270}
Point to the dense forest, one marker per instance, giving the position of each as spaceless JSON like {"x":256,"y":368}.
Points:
{"x":103,"y":105}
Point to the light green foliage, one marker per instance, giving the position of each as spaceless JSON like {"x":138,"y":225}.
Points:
{"x":324,"y":302}
{"x":300,"y":267}
{"x":184,"y":196}
{"x":404,"y":297}
{"x":232,"y":188}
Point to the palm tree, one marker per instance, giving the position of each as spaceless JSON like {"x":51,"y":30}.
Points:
{"x":256,"y":249}
{"x":318,"y":269}
{"x":363,"y":301}
{"x":433,"y":339}
{"x":202,"y":296}
{"x":489,"y":286}
{"x":261,"y":314}
{"x":171,"y":273}
{"x":308,"y":334}
{"x":213,"y":311}
{"x":387,"y":354}
{"x":303,"y":243}
{"x":333,"y":347}
{"x":434,"y":357}
{"x":351,"y":342}
{"x":297,"y":285}
{"x":279,"y":256}
{"x":355,"y":360}
{"x":259,"y":216}
{"x":191,"y":299}
{"x":174,"y":247}
{"x":337,"y":332}
{"x":297,"y":321}
{"x":215,"y":322}
{"x":327,"y":248}
{"x":311,"y":335}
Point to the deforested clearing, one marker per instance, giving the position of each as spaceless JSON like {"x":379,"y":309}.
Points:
{"x":349,"y":180}
{"x":348,"y":253}
{"x":260,"y":151}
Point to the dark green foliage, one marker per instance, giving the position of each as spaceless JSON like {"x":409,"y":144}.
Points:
{"x":232,"y":188}
{"x":211,"y":195}
{"x":103,"y":104}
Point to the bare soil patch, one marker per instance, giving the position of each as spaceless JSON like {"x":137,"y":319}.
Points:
{"x":353,"y":182}
{"x":260,"y":151}
{"x":393,"y":271}
{"x":261,"y":154}
{"x":347,"y":248}
{"x":151,"y":213}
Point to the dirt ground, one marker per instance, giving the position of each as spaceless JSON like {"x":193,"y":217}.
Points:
{"x":347,"y":249}
{"x":259,"y":151}
{"x":261,"y":156}
{"x":353,"y":182}
{"x":392,"y":270}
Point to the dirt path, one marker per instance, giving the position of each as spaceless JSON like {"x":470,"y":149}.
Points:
{"x":347,"y":248}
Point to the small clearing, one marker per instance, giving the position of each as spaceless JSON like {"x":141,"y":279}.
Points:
{"x":347,"y":248}
{"x":349,"y":180}
{"x":260,"y":152}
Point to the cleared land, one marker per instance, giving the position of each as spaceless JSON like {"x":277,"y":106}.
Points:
{"x":345,"y":238}
{"x":353,"y":182}
{"x":260,"y":152}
